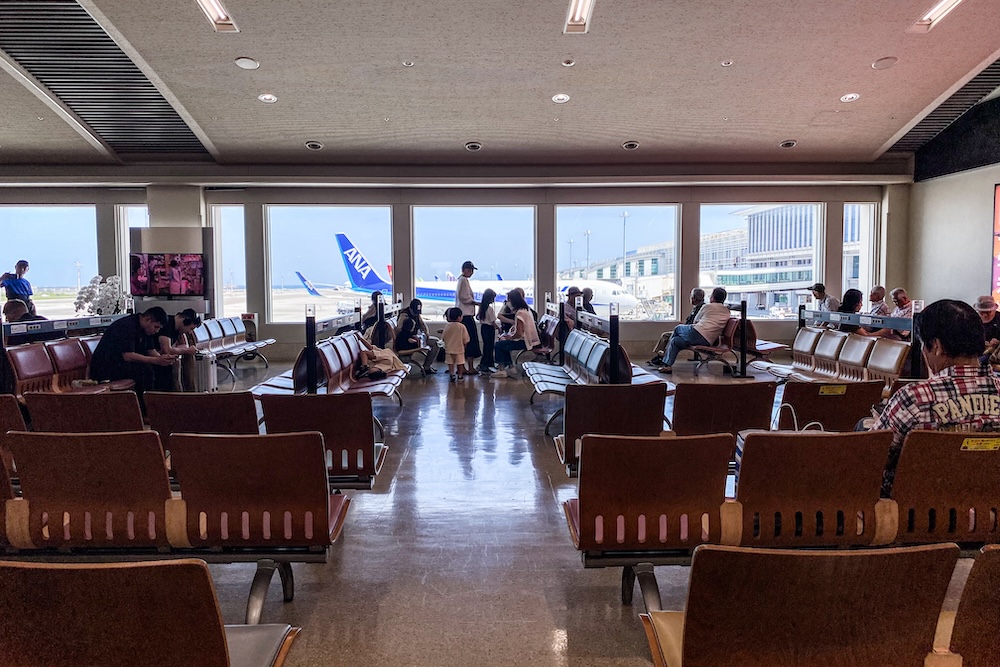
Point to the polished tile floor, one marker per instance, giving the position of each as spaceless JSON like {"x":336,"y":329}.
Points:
{"x":460,"y":555}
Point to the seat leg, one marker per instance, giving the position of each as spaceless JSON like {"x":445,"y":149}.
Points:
{"x":531,"y":401}
{"x":380,"y":428}
{"x":648,"y":587}
{"x":628,"y":584}
{"x":555,"y":415}
{"x":399,"y":398}
{"x":288,"y":581}
{"x":258,"y":590}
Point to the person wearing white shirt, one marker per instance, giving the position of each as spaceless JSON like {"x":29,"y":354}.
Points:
{"x":707,"y":327}
{"x":465,"y":300}
{"x":826,"y":303}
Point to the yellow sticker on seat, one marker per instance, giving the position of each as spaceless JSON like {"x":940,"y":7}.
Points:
{"x":980,"y":444}
{"x":833,"y":390}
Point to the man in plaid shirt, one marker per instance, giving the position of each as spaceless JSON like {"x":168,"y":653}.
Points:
{"x":959,"y":395}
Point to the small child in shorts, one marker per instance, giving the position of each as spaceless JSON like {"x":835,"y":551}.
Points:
{"x":455,"y":337}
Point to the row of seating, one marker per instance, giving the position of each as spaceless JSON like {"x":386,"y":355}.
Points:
{"x":826,"y":355}
{"x":54,"y":366}
{"x":765,"y":607}
{"x":730,"y":344}
{"x":226,"y":338}
{"x":653,"y":499}
{"x":337,"y":358}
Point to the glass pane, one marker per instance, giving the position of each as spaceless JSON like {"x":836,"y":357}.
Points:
{"x":136,"y":215}
{"x":590,"y":244}
{"x":499,"y":240}
{"x":64,"y":239}
{"x":762,"y":253}
{"x":327,"y":256}
{"x":859,"y":249}
{"x":230,"y":237}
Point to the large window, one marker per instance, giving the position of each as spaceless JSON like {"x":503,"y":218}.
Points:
{"x":859,"y":249}
{"x":231,"y":283}
{"x":591,"y":242}
{"x":327,"y":256}
{"x":762,"y":253}
{"x":135,"y":215}
{"x":60,"y":244}
{"x":499,"y":240}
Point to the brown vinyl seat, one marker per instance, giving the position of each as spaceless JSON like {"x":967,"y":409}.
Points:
{"x":354,"y":458}
{"x":722,"y":408}
{"x":11,"y":419}
{"x":887,"y":360}
{"x":946,"y":488}
{"x":157,"y":614}
{"x":853,"y":357}
{"x":32,"y":368}
{"x":111,"y":411}
{"x":803,"y":608}
{"x":825,"y":356}
{"x":222,"y":412}
{"x":977,"y":623}
{"x":812,"y":489}
{"x":70,"y":363}
{"x":802,"y":355}
{"x":608,"y":410}
{"x":90,"y":344}
{"x":757,"y":348}
{"x":830,"y":406}
{"x":718,"y":350}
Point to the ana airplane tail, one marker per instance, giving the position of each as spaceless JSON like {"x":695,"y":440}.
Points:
{"x":310,"y":288}
{"x":360,"y":272}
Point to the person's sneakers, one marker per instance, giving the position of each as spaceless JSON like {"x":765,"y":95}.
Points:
{"x":502,"y":373}
{"x":666,"y":369}
{"x":472,"y":372}
{"x":512,"y":373}
{"x":655,"y":361}
{"x":430,"y":369}
{"x":453,"y":378}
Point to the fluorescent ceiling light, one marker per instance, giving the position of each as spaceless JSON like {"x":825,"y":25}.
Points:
{"x":932,"y":17}
{"x":578,"y":18}
{"x":218,"y":16}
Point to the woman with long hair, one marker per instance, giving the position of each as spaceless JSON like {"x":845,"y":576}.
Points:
{"x":522,"y":336}
{"x":488,"y":325}
{"x":411,"y":333}
{"x":851,"y":303}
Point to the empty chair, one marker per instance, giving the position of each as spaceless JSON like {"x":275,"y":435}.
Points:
{"x":802,"y":355}
{"x":946,"y":487}
{"x":853,"y":357}
{"x":157,"y":614}
{"x":608,"y":410}
{"x":722,"y":408}
{"x":887,"y":360}
{"x":346,"y":422}
{"x":825,"y":356}
{"x":32,"y":368}
{"x":90,"y":344}
{"x":977,"y":623}
{"x":803,"y":608}
{"x":177,"y":412}
{"x":827,"y":406}
{"x":84,"y":413}
{"x":71,"y":362}
{"x":11,"y":419}
{"x":812,"y":490}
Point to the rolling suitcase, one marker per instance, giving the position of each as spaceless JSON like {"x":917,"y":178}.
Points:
{"x":204,"y":376}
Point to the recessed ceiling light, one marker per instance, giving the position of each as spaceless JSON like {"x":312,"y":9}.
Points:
{"x":850,"y":97}
{"x":933,"y":16}
{"x":268,"y":98}
{"x":314,"y":145}
{"x":578,"y":17}
{"x":569,"y":62}
{"x":788,"y":143}
{"x":244,"y":62}
{"x":407,"y":63}
{"x":726,"y":63}
{"x":560,"y":98}
{"x":218,"y":16}
{"x":885,"y":63}
{"x":631,"y":145}
{"x":473,"y":146}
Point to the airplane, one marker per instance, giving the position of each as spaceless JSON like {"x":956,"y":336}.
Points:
{"x":365,"y":279}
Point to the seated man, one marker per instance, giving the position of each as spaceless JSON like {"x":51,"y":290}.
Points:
{"x":127,"y":350}
{"x":169,"y":344}
{"x":707,"y":327}
{"x":697,"y":300}
{"x":15,"y":310}
{"x":588,"y":296}
{"x":904,"y":308}
{"x":960,"y":394}
{"x":569,"y":310}
{"x":824,"y":302}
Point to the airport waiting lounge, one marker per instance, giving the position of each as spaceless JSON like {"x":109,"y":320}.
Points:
{"x":444,"y":333}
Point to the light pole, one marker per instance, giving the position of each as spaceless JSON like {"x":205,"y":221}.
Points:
{"x":77,"y":264}
{"x":587,"y":271}
{"x":570,"y":242}
{"x":624,"y":216}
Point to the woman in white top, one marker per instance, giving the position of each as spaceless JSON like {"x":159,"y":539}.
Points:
{"x":488,"y":325}
{"x":523,"y":336}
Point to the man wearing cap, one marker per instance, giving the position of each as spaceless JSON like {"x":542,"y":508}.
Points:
{"x":465,"y":300}
{"x":569,"y":311}
{"x":986,"y":306}
{"x":824,"y":302}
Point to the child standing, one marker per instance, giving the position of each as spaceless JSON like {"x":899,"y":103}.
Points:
{"x":456,"y":336}
{"x":488,"y":325}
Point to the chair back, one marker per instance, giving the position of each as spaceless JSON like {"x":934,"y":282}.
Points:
{"x":156,"y":614}
{"x":803,"y":348}
{"x":90,"y":344}
{"x":887,"y":359}
{"x":827,"y":352}
{"x":109,"y":411}
{"x":853,"y":357}
{"x":345,"y":420}
{"x":728,"y":334}
{"x":69,"y":361}
{"x":779,"y":608}
{"x":244,"y":490}
{"x":32,"y":368}
{"x":977,"y":623}
{"x":619,"y":409}
{"x":646,"y":493}
{"x":216,"y":337}
{"x":830,"y":406}
{"x":11,"y":419}
{"x":202,"y":337}
{"x":228,"y":330}
{"x":92,"y":490}
{"x":811,"y":489}
{"x":722,"y":408}
{"x":222,"y":412}
{"x":946,"y":487}
{"x":751,"y":336}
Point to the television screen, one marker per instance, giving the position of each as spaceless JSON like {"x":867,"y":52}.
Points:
{"x":167,"y":274}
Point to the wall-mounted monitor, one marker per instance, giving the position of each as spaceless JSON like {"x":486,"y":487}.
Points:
{"x":166,"y":274}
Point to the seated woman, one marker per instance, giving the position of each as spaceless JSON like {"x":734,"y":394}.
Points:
{"x":411,"y":328}
{"x":852,"y":302}
{"x":369,"y":317}
{"x":522,"y":336}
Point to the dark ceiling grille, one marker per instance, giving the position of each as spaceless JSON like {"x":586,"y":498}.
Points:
{"x":58,"y":43}
{"x":951,"y":109}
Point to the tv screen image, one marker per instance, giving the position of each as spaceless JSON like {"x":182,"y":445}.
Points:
{"x":167,"y":274}
{"x":138,"y":275}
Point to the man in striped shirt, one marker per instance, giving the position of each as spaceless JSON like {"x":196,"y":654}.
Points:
{"x":959,"y":395}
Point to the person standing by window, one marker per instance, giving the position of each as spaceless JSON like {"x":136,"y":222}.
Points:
{"x":465,"y":301}
{"x":488,"y":325}
{"x":17,"y":286}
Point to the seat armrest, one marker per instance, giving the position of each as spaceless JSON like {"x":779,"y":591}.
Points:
{"x":18,"y":532}
{"x":936,"y":659}
{"x":731,"y":515}
{"x":886,"y":522}
{"x":175,"y":511}
{"x":259,"y":645}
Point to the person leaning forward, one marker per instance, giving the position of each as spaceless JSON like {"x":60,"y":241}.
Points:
{"x":127,"y":350}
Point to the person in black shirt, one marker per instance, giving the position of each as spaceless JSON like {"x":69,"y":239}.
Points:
{"x":588,"y":296}
{"x":127,"y":350}
{"x":169,"y":343}
{"x":15,"y":310}
{"x":986,"y":306}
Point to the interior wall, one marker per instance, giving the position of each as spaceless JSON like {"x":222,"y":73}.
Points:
{"x":951,"y":231}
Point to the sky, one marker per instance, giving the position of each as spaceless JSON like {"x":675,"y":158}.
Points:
{"x":497,"y":239}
